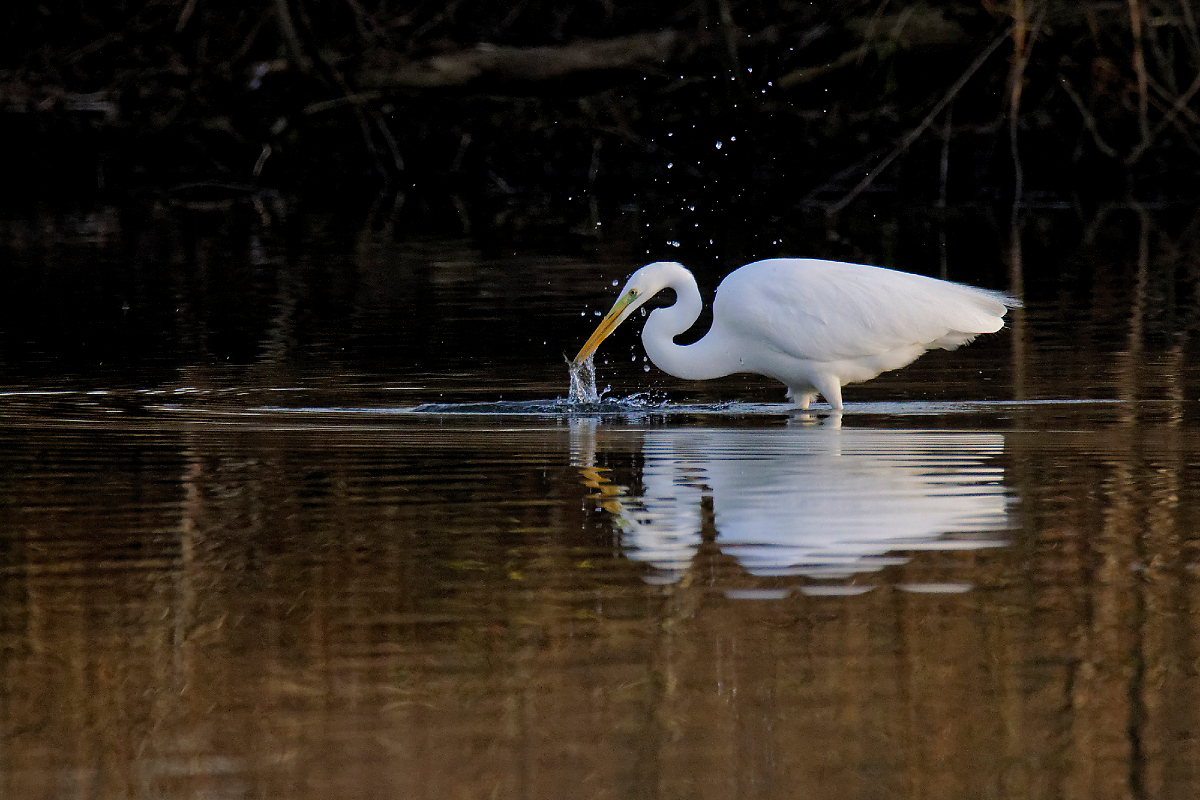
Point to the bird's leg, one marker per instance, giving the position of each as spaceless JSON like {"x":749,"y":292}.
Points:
{"x":801,"y":399}
{"x":831,"y":389}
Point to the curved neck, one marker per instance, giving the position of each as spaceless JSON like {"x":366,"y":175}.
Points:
{"x":707,"y":358}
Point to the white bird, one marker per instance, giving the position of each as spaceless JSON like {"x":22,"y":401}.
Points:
{"x":813,"y":325}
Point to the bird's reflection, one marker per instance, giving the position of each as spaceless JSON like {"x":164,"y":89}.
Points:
{"x":820,"y":502}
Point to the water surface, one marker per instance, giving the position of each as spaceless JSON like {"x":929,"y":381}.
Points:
{"x":331,"y":531}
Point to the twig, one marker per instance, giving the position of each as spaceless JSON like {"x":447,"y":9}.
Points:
{"x":369,"y":141}
{"x":92,"y":47}
{"x":1137,"y":26}
{"x":1185,"y":112}
{"x":1150,"y":136}
{"x":1023,"y":39}
{"x":437,"y":19}
{"x":350,"y":99}
{"x":876,"y":15}
{"x":357,"y":102}
{"x":637,"y":51}
{"x":916,"y":132}
{"x":1186,"y":115}
{"x":1189,"y":21}
{"x":833,"y":180}
{"x":1165,"y":63}
{"x":283,"y":16}
{"x":368,"y":28}
{"x":1089,"y":121}
{"x":810,"y":74}
{"x":185,"y":15}
{"x":248,"y":42}
{"x":727,"y":30}
{"x":381,"y":123}
{"x":944,"y":172}
{"x":262,"y":160}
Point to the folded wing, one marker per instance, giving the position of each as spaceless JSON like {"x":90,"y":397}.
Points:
{"x":829,"y":310}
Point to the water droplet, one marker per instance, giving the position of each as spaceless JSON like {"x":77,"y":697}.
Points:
{"x":614,"y":282}
{"x":718,"y":145}
{"x":646,"y":368}
{"x":596,"y":313}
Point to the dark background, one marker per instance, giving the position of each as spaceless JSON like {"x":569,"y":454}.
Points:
{"x":400,"y":188}
{"x":530,"y":103}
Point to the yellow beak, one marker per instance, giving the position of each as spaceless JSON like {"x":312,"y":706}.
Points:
{"x":615,"y":316}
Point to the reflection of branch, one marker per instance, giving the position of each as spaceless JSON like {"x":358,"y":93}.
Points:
{"x":916,"y":132}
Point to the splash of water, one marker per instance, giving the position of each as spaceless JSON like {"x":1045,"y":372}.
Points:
{"x":583,"y":382}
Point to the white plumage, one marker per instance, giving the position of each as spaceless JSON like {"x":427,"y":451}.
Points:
{"x":813,"y":325}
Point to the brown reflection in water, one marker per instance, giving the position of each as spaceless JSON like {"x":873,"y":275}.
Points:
{"x":437,"y":612}
{"x":273,"y":611}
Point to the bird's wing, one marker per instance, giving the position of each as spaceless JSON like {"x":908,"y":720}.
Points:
{"x":829,"y":310}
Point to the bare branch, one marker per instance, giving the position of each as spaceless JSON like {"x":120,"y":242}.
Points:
{"x":1180,"y":104}
{"x":283,"y":17}
{"x":1089,"y":121}
{"x":916,"y":132}
{"x":527,"y":63}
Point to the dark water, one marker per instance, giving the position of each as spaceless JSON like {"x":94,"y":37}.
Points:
{"x":304,"y":515}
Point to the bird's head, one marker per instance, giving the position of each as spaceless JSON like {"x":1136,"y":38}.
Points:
{"x":641,"y":286}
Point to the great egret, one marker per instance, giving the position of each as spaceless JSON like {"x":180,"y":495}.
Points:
{"x":813,"y":325}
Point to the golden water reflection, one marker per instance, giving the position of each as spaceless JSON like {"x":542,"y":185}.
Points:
{"x":266,"y":607}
